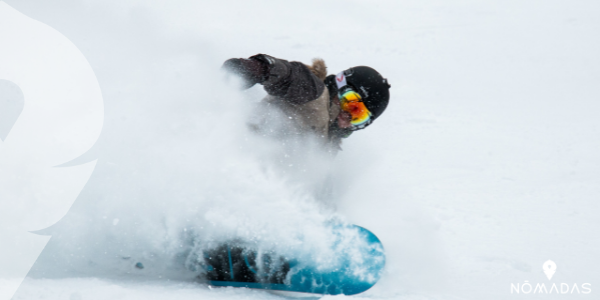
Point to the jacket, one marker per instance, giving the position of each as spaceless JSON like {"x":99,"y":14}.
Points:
{"x":299,"y":101}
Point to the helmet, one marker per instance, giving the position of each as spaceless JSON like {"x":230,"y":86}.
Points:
{"x":370,"y":85}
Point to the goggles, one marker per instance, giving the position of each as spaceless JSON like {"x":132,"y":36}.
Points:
{"x":351,"y":102}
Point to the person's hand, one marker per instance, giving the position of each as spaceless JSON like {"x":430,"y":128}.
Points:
{"x":250,"y":71}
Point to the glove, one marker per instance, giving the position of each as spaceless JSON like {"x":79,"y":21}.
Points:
{"x":251,"y":71}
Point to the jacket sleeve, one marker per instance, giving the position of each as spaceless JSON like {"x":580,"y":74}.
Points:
{"x":290,"y":81}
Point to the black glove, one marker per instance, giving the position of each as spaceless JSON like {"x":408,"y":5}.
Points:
{"x":251,"y":71}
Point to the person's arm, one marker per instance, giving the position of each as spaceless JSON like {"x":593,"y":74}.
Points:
{"x":290,"y":81}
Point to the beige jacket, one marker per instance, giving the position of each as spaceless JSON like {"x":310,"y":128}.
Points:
{"x":293,"y":113}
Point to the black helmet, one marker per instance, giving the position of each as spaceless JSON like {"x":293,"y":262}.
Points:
{"x":372,"y":87}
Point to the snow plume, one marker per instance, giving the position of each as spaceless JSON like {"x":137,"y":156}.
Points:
{"x":179,"y":169}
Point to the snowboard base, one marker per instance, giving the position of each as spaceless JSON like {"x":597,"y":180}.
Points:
{"x":361,"y":263}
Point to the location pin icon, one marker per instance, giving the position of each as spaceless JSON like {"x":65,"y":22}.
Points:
{"x":549,"y":268}
{"x":12,"y":102}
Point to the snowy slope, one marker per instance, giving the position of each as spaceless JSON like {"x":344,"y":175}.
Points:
{"x":484,"y":166}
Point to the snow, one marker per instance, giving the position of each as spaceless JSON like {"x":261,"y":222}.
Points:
{"x":484,"y":166}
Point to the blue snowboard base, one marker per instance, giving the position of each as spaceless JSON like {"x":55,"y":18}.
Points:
{"x":361,"y":263}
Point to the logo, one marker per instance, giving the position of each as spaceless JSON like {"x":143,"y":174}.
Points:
{"x":549,"y":268}
{"x":50,"y":114}
{"x":11,"y":106}
{"x":340,"y":80}
{"x":362,"y":88}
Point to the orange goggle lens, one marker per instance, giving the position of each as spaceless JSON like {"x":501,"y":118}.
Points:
{"x":351,"y":102}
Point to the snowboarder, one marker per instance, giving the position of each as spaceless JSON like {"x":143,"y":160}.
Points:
{"x":328,"y":107}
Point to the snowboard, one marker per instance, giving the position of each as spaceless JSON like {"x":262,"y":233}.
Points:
{"x":359,"y":262}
